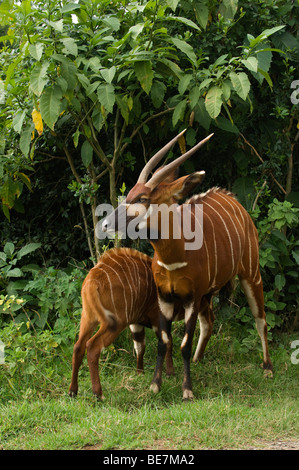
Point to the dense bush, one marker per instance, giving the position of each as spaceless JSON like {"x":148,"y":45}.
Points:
{"x":89,"y":90}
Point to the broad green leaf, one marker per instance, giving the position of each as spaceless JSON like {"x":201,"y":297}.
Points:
{"x":94,"y":64}
{"x":108,"y":74}
{"x":184,"y":83}
{"x":205,"y":83}
{"x":157,"y":93}
{"x":266,"y":76}
{"x":50,"y":105}
{"x":76,"y":136}
{"x":265,"y":34}
{"x":122,"y":103}
{"x":136,"y":30}
{"x":18,"y":119}
{"x":220,"y":61}
{"x":186,"y":21}
{"x":228,"y":9}
{"x":69,"y":7}
{"x":29,"y":248}
{"x":172,"y":4}
{"x":251,"y":63}
{"x":86,"y":153}
{"x":68,"y":71}
{"x":244,"y":189}
{"x":167,"y":67}
{"x":16,"y":272}
{"x":201,"y":115}
{"x":213,"y":101}
{"x":145,"y":74}
{"x":296,"y":256}
{"x":36,"y":50}
{"x":226,"y":89}
{"x":11,"y":69}
{"x":264,"y":58}
{"x":112,"y":22}
{"x":185,"y":48}
{"x":106,"y":96}
{"x":83,"y":80}
{"x":241,"y":84}
{"x":9,"y":249}
{"x":201,"y":13}
{"x":179,"y":111}
{"x":194,"y":96}
{"x":70,"y":46}
{"x":25,"y":140}
{"x":280,"y":281}
{"x":92,"y":88}
{"x":226,"y":125}
{"x":24,"y":178}
{"x":97,"y":119}
{"x":57,"y":25}
{"x":38,"y":78}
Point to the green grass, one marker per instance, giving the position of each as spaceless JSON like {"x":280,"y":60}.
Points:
{"x":234,"y":406}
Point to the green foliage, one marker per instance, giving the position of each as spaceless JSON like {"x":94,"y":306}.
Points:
{"x":10,"y":257}
{"x":89,"y":91}
{"x":279,"y":266}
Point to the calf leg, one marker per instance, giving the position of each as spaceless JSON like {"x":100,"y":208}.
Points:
{"x":102,"y":339}
{"x":86,"y":330}
{"x":138,"y":336}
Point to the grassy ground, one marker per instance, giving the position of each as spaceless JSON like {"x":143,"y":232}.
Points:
{"x":235,"y":407}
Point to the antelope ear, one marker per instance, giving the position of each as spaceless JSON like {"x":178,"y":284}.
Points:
{"x":173,"y":175}
{"x":184,"y":186}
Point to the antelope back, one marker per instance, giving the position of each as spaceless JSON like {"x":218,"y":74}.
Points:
{"x":125,"y":285}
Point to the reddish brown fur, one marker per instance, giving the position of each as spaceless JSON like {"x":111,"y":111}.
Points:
{"x":192,"y":277}
{"x":230,"y":248}
{"x":119,"y":291}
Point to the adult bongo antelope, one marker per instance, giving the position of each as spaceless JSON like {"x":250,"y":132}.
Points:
{"x":118,"y":292}
{"x":192,"y":276}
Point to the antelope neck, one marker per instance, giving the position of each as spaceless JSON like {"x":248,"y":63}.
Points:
{"x":170,"y":253}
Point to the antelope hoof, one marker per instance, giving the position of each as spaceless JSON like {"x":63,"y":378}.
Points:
{"x":99,"y":398}
{"x":72,"y":394}
{"x":188,"y":395}
{"x":154,"y":388}
{"x":268,"y":374}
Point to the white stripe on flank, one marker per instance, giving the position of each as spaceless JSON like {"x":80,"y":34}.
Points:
{"x":233,"y":203}
{"x":206,"y":248}
{"x":111,"y":290}
{"x":128,"y":283}
{"x":227,"y":231}
{"x":215,"y":252}
{"x":125,"y":299}
{"x":229,"y":215}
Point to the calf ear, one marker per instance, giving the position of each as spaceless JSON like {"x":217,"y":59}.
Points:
{"x":185,"y":185}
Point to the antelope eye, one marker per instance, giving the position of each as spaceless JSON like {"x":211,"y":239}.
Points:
{"x":142,"y":200}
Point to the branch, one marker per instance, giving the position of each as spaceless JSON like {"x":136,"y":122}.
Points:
{"x":71,"y":163}
{"x":260,"y":158}
{"x":150,"y":118}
